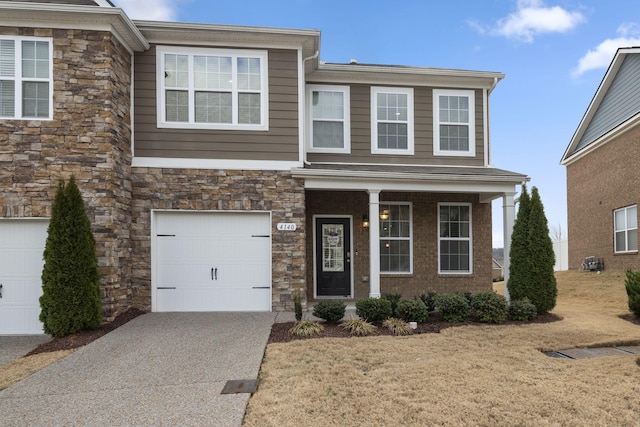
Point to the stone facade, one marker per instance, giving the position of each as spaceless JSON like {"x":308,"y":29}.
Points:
{"x":88,"y":137}
{"x":425,"y":275}
{"x":597,"y":184}
{"x":220,"y":190}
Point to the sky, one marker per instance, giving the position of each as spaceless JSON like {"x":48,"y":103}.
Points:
{"x":554,"y":54}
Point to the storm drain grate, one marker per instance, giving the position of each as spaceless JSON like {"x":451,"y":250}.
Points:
{"x":587,"y":353}
{"x":240,"y":386}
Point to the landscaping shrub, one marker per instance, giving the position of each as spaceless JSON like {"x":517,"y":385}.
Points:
{"x":374,"y":310}
{"x":453,"y":307}
{"x":498,"y":279}
{"x":70,"y":300}
{"x":359,"y":327}
{"x":297,"y":305}
{"x":428,"y":300}
{"x":632,"y":284}
{"x":331,"y":310}
{"x":306,"y":328}
{"x":397,"y":326}
{"x":394,"y":299}
{"x":412,"y":310}
{"x":489,"y":307}
{"x":522,"y":310}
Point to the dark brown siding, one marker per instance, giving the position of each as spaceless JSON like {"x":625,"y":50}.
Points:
{"x":597,"y":184}
{"x":280,"y":142}
{"x":423,"y":128}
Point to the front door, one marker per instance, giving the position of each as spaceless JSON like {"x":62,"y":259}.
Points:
{"x":333,"y":257}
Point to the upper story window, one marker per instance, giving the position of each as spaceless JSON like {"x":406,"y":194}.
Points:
{"x":454,"y":123}
{"x":395,"y":238}
{"x":26,"y":84}
{"x":212,"y":88}
{"x":330,"y":124}
{"x":626,"y":229}
{"x":454,"y":238}
{"x":391,"y":120}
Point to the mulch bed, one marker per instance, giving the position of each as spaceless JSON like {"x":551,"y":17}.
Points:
{"x":631,"y":318}
{"x":280,"y":331}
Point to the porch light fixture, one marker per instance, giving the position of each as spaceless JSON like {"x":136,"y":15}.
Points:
{"x":365,"y":221}
{"x":384,"y":215}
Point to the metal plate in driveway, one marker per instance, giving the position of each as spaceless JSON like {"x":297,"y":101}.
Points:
{"x":240,"y":386}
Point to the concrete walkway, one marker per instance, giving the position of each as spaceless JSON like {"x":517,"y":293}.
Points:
{"x":160,"y":369}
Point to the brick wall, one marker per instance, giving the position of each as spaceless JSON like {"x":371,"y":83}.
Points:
{"x":89,"y":138}
{"x":597,"y":184}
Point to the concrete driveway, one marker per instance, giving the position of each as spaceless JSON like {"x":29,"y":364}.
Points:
{"x":160,"y":369}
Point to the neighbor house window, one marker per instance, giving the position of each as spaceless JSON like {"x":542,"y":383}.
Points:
{"x":26,"y":84}
{"x":626,"y":229}
{"x":212,"y":88}
{"x":329,"y":127}
{"x":391,"y":120}
{"x":454,"y":123}
{"x":395,"y":238}
{"x":454,"y":241}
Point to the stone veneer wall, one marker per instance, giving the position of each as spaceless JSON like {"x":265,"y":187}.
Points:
{"x":220,"y":190}
{"x":89,"y":138}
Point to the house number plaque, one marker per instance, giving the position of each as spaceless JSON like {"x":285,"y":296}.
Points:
{"x":286,"y":226}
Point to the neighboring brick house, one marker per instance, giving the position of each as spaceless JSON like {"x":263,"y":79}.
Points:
{"x":602,"y":171}
{"x":223,"y":168}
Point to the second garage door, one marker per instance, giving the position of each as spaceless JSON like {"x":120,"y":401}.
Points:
{"x":212,"y":261}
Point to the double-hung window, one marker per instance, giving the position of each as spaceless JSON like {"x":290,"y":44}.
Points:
{"x":626,"y":229}
{"x":454,"y":238}
{"x":330,"y":125}
{"x":26,"y":84}
{"x":395,"y":238}
{"x":454,"y":123}
{"x":212,"y":88}
{"x":392,"y":120}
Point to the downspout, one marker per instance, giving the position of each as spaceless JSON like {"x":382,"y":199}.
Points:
{"x":302,"y":117}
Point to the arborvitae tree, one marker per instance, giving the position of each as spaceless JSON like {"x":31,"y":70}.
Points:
{"x":541,"y":287}
{"x":519,"y":267}
{"x":70,"y":298}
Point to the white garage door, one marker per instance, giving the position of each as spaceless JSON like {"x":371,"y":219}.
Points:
{"x":21,"y":247}
{"x":212,"y":261}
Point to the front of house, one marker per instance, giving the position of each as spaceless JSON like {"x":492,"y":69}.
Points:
{"x":225,"y":168}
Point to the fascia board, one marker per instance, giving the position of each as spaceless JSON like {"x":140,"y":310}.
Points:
{"x":47,"y":15}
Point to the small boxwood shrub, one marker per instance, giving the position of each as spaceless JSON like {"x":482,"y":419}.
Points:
{"x":331,"y":310}
{"x":412,"y":310}
{"x":489,"y":307}
{"x":632,"y":284}
{"x":397,"y":326}
{"x":453,"y":307}
{"x":394,"y":299}
{"x":374,"y":310}
{"x":429,"y":300}
{"x":522,"y":310}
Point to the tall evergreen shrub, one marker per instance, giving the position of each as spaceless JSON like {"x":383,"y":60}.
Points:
{"x":519,"y":255}
{"x":70,"y":298}
{"x":632,"y":285}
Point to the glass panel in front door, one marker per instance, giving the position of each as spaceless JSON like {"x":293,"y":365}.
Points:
{"x":333,"y":247}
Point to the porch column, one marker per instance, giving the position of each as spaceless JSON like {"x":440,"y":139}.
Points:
{"x":509,"y":215}
{"x":374,"y":243}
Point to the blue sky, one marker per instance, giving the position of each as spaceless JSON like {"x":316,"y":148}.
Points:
{"x":554,"y":54}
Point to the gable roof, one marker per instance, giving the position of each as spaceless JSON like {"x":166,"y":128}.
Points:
{"x":614,"y":109}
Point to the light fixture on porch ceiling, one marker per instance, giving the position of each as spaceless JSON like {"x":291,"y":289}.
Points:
{"x":365,"y":221}
{"x":384,"y":215}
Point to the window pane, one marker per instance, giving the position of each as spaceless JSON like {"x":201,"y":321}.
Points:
{"x":454,"y":109}
{"x":328,"y":134}
{"x":454,"y":138}
{"x":7,"y":58}
{"x":395,"y":256}
{"x":620,"y":241}
{"x":392,"y":136}
{"x":7,"y":98}
{"x":249,"y":73}
{"x":176,"y":70}
{"x":35,"y":99}
{"x":249,"y":108}
{"x":212,"y":72}
{"x":35,"y":59}
{"x":392,"y":107}
{"x":632,"y":240}
{"x":213,"y":107}
{"x":177,"y":106}
{"x":632,"y":217}
{"x":328,"y":105}
{"x":619,"y":219}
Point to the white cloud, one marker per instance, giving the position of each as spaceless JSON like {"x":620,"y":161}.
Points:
{"x":533,"y":18}
{"x":150,"y":10}
{"x":601,"y":55}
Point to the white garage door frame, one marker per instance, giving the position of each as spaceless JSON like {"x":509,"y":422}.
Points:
{"x":26,"y":305}
{"x":154,"y":246}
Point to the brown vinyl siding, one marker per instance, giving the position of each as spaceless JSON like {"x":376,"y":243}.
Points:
{"x":423,"y":133}
{"x":280,"y":142}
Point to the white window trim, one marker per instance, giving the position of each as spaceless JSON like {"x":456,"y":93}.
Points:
{"x":469,"y":239}
{"x":471,"y":152}
{"x":375,"y":90}
{"x":346,"y":91}
{"x":625,"y":229}
{"x":191,"y":52}
{"x":18,"y":79}
{"x":410,"y":239}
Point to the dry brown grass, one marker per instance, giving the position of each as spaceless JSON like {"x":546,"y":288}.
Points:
{"x":21,"y":368}
{"x":470,"y":375}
